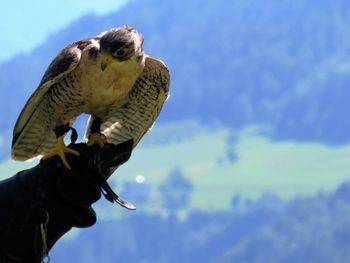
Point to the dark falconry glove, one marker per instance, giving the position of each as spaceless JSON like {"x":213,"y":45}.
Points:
{"x":39,"y":205}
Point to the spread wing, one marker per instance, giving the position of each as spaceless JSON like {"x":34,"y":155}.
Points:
{"x":33,"y":115}
{"x":133,"y":117}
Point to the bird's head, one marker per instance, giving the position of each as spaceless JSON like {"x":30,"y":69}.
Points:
{"x":119,"y":45}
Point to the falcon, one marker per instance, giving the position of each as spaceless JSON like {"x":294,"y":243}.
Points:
{"x":109,"y":77}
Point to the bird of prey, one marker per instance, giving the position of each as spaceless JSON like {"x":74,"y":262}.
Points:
{"x":108,"y":77}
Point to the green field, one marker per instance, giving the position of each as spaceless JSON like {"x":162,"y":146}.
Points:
{"x":287,"y":169}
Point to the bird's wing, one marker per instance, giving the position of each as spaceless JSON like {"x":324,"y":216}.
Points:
{"x":66,"y":61}
{"x":133,"y":117}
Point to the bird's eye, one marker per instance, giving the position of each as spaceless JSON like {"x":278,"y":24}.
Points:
{"x":120,"y":52}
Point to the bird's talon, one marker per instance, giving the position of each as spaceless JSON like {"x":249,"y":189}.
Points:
{"x":97,"y":138}
{"x":71,"y":151}
{"x":64,"y":160}
{"x":60,"y":150}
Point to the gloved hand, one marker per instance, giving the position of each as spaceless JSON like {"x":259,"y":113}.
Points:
{"x":38,"y":206}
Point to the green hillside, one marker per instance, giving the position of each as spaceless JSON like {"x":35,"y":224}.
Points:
{"x":204,"y":156}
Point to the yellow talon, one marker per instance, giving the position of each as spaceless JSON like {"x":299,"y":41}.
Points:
{"x":97,"y":138}
{"x":60,"y":149}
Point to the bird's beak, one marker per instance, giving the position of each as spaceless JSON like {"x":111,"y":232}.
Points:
{"x":106,"y":59}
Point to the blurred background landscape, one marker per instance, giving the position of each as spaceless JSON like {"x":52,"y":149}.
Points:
{"x":249,"y":160}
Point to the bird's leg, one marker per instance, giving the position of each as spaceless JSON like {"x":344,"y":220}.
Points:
{"x":96,"y":137}
{"x":60,"y":148}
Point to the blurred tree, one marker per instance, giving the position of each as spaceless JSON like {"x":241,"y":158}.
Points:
{"x":236,"y":201}
{"x":343,"y":192}
{"x":175,"y":191}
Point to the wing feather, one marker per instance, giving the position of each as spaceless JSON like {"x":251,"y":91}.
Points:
{"x":33,"y":114}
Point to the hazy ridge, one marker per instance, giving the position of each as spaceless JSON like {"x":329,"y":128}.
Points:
{"x":282,"y":64}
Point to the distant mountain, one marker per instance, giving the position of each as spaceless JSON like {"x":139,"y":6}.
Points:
{"x":282,"y":64}
{"x":139,"y":237}
{"x":313,"y":230}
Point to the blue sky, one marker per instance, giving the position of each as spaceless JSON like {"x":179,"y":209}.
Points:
{"x":25,"y":24}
